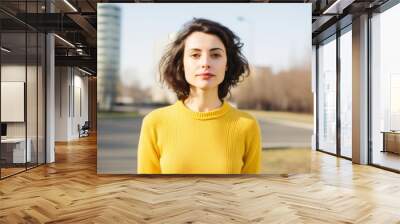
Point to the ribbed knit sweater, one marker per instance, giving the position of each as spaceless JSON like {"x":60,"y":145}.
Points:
{"x":177,"y":140}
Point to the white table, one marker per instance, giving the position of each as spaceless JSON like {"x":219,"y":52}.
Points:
{"x":19,"y":149}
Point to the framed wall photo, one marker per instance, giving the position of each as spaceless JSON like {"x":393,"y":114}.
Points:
{"x":141,"y":69}
{"x":12,"y":101}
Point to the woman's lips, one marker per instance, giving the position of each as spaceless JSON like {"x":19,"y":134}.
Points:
{"x":206,"y":75}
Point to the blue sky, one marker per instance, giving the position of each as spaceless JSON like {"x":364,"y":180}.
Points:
{"x":275,"y":35}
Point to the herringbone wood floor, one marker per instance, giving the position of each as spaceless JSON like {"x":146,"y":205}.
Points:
{"x":69,"y":191}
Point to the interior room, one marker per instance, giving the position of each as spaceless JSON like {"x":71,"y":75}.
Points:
{"x":52,"y":90}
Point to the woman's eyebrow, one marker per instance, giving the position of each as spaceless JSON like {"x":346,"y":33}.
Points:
{"x":212,"y":49}
{"x":215,"y":49}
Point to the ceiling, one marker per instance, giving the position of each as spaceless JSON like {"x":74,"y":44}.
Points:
{"x":76,"y":22}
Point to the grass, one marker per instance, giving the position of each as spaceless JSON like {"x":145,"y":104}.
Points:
{"x":287,"y":116}
{"x":286,"y":161}
{"x":115,"y":114}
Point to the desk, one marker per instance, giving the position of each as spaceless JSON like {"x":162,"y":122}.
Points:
{"x":17,"y":150}
{"x":391,"y":141}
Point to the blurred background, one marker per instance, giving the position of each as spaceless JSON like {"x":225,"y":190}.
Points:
{"x":131,"y":39}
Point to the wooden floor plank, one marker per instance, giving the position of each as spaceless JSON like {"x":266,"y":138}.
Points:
{"x":70,"y":191}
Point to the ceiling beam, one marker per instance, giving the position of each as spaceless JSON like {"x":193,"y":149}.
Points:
{"x":86,"y":26}
{"x":83,"y":61}
{"x":337,"y":6}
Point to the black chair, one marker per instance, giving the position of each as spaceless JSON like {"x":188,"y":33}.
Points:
{"x":84,"y":130}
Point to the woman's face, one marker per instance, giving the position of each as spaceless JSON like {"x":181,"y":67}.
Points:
{"x":204,"y":60}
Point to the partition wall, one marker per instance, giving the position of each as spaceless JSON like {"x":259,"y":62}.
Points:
{"x":23,"y":86}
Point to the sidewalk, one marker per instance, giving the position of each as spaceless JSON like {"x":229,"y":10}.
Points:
{"x":285,"y":118}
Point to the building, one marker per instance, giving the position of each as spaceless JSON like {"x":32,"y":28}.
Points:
{"x":108,"y":54}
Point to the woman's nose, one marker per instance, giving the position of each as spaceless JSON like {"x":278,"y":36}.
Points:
{"x":205,"y":62}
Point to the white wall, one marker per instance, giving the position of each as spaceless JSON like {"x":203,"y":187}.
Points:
{"x":79,"y":115}
{"x":14,"y":73}
{"x":71,"y":87}
{"x":62,"y":80}
{"x":33,"y":125}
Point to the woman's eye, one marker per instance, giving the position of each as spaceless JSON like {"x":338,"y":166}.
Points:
{"x":216,"y":55}
{"x":195,"y":55}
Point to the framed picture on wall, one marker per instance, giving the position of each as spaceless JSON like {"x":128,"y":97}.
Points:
{"x":12,"y":101}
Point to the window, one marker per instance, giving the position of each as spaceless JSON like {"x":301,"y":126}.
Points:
{"x":385,"y":88}
{"x":346,"y":93}
{"x":327,"y":96}
{"x":22,"y":68}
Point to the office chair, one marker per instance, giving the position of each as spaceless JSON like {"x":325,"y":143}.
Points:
{"x":84,"y":130}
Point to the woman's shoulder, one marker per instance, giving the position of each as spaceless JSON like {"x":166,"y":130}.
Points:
{"x":159,"y":114}
{"x":245,"y":118}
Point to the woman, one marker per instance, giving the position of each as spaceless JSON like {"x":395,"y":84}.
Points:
{"x":201,"y":133}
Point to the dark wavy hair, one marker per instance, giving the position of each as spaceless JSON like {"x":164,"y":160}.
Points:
{"x":171,"y":64}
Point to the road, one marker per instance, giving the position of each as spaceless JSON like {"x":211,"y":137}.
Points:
{"x":118,"y":138}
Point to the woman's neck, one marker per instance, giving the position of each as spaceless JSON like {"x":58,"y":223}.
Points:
{"x":203,"y":100}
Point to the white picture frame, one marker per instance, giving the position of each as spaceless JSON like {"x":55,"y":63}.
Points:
{"x":12,"y":101}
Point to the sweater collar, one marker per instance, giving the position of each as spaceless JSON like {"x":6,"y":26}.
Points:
{"x":218,"y":112}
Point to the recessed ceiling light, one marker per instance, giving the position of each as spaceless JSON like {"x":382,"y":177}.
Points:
{"x":84,"y":71}
{"x":70,"y":5}
{"x":5,"y":49}
{"x":64,"y":40}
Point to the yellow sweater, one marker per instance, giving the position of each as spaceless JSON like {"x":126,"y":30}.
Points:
{"x":177,"y":140}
